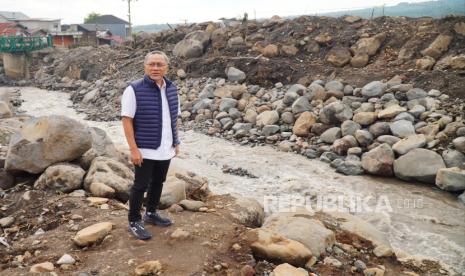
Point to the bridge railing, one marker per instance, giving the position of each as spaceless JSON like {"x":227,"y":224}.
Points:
{"x":11,"y":44}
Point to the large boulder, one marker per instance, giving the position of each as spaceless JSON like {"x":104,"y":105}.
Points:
{"x":335,"y":112}
{"x":109,"y":178}
{"x":299,"y":226}
{"x":438,"y":46}
{"x":193,"y":45}
{"x":418,"y":164}
{"x":247,"y":211}
{"x":272,"y":246}
{"x":62,"y":176}
{"x":451,"y":179}
{"x":44,"y":141}
{"x":379,"y":160}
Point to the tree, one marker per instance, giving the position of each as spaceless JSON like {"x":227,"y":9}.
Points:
{"x":91,"y":17}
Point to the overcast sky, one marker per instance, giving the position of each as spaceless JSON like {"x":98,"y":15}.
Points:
{"x":174,"y":11}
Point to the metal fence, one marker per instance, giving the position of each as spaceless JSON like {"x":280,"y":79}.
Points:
{"x":11,"y":44}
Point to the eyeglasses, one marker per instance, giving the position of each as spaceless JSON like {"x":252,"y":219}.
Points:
{"x":156,"y":65}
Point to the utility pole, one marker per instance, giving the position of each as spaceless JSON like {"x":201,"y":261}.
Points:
{"x":129,"y":16}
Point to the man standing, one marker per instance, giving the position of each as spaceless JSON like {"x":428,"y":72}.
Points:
{"x":150,"y":107}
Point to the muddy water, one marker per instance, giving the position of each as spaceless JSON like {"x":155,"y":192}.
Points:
{"x":417,"y":218}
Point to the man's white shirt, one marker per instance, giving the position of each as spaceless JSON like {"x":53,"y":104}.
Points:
{"x":166,"y":150}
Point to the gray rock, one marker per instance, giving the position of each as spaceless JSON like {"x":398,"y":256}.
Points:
{"x":374,"y":89}
{"x":208,"y":92}
{"x":62,"y":177}
{"x":202,"y":104}
{"x":191,"y":205}
{"x":407,"y":144}
{"x":460,"y":131}
{"x":90,"y":96}
{"x":418,"y":164}
{"x":247,"y":211}
{"x":404,"y":116}
{"x":47,"y":140}
{"x":227,"y":103}
{"x":462,"y":197}
{"x":451,"y":179}
{"x":459,"y":144}
{"x":287,"y":118}
{"x":335,"y":112}
{"x":348,"y":90}
{"x":301,"y":105}
{"x":334,"y":85}
{"x":297,"y":88}
{"x":350,"y":167}
{"x":364,"y":137}
{"x":417,"y":110}
{"x":192,"y":45}
{"x":173,"y":192}
{"x":380,"y":128}
{"x":416,"y":93}
{"x":379,"y":160}
{"x":454,"y":158}
{"x":109,"y":178}
{"x":270,"y":130}
{"x":402,"y":128}
{"x":349,"y":127}
{"x":235,"y":74}
{"x":331,"y":135}
{"x":357,"y":151}
{"x":290,"y":97}
{"x":242,"y":127}
{"x":5,"y":111}
{"x":66,"y":259}
{"x":388,"y":139}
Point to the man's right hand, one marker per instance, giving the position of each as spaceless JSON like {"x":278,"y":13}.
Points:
{"x":136,"y":157}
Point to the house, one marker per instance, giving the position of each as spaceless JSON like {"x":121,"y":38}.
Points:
{"x":115,"y":25}
{"x":6,"y":16}
{"x":13,"y":29}
{"x":34,"y":26}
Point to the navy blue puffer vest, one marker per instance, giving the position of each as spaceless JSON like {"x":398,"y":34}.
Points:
{"x":148,"y":118}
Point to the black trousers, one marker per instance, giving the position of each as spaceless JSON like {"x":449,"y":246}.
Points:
{"x":148,"y":177}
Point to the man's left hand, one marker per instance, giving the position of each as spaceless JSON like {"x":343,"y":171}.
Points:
{"x":176,"y":149}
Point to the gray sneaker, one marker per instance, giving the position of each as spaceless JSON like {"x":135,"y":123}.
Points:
{"x":138,"y":230}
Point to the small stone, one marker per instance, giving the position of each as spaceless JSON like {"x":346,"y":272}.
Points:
{"x":179,"y":234}
{"x":236,"y":247}
{"x":42,"y":267}
{"x":92,"y":234}
{"x":191,"y":205}
{"x":451,"y":179}
{"x":66,"y":259}
{"x":95,"y":201}
{"x":332,"y":262}
{"x":407,"y":144}
{"x":6,"y":221}
{"x":148,"y":268}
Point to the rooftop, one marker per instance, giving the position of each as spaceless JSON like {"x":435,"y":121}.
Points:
{"x":108,"y":19}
